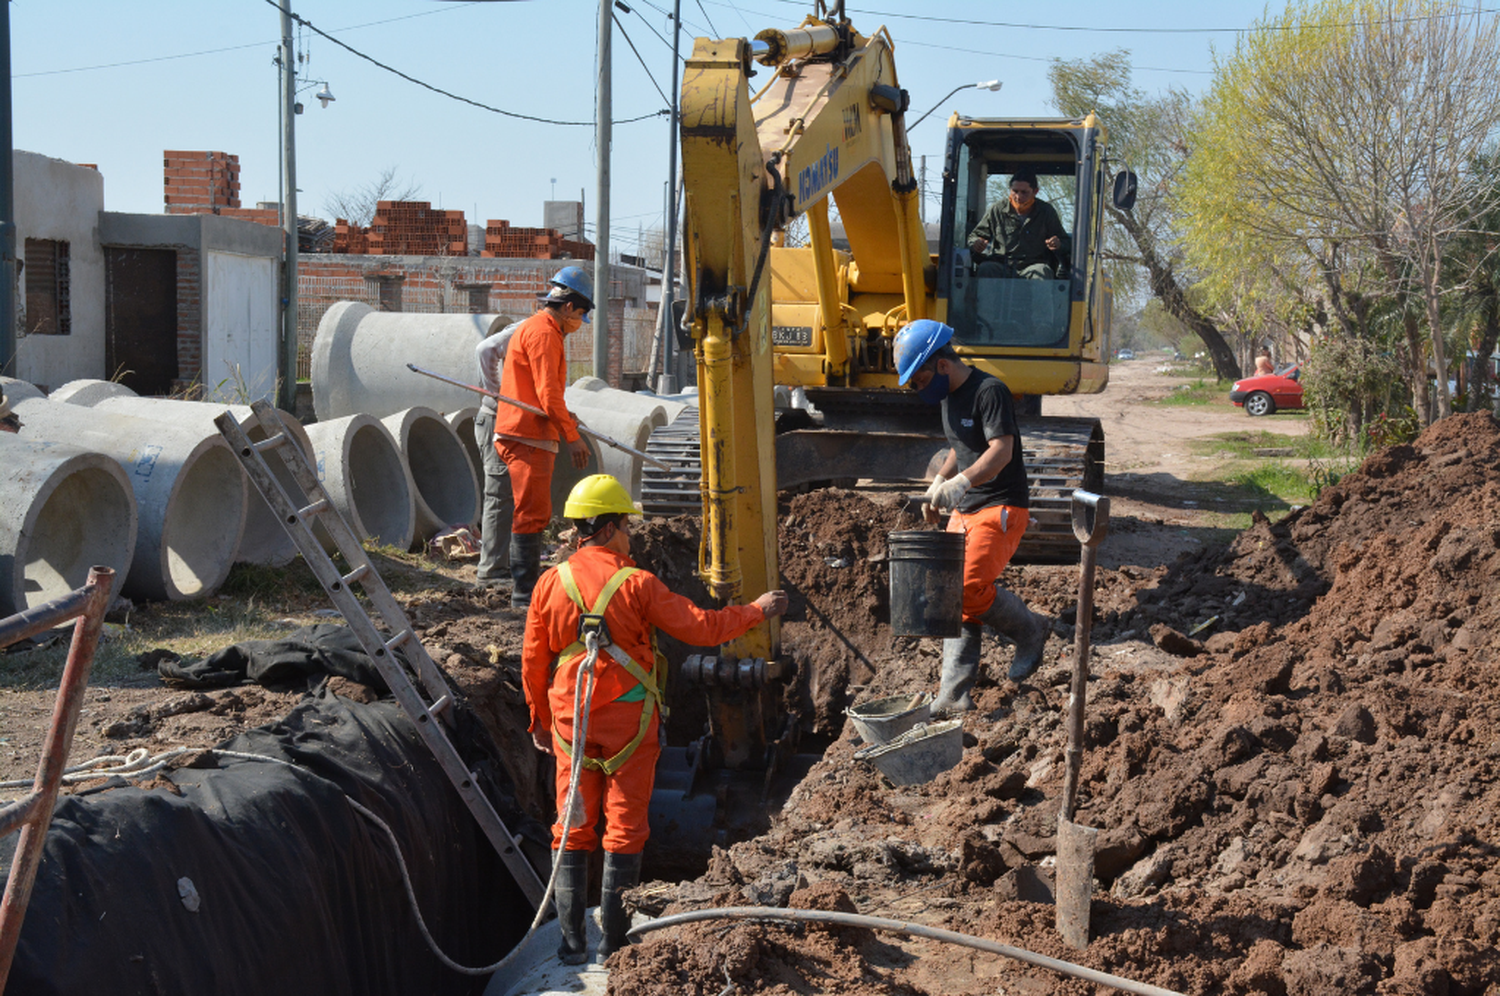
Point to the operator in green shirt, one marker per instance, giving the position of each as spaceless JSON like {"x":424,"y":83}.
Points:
{"x":1020,"y":236}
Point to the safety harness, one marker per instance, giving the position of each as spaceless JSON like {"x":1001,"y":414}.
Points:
{"x":648,"y":692}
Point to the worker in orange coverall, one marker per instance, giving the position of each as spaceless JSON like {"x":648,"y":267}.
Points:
{"x":536,"y":372}
{"x":623,"y":733}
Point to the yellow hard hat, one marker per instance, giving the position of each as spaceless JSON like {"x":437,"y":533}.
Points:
{"x":598,"y":494}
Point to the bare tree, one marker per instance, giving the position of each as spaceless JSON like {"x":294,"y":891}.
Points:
{"x":357,"y":206}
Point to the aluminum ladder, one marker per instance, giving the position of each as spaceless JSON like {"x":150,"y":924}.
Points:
{"x":432,"y":714}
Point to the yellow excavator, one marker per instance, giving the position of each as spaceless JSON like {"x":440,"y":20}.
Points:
{"x":793,"y":344}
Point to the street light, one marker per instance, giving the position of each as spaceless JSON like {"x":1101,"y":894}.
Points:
{"x":989,"y":85}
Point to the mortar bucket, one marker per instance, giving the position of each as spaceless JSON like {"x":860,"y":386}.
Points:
{"x":881,"y":720}
{"x":927,"y":582}
{"x":918,"y":755}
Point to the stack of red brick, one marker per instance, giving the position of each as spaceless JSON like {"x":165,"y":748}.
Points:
{"x":413,"y":228}
{"x":200,"y":182}
{"x":208,"y":183}
{"x":503,"y":240}
{"x":349,"y":238}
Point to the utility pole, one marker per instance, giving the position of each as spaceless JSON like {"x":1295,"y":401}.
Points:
{"x":8,"y":363}
{"x":668,"y":382}
{"x":602,"y":114}
{"x":288,"y":365}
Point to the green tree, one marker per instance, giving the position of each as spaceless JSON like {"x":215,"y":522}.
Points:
{"x":1333,"y":168}
{"x":1148,"y":135}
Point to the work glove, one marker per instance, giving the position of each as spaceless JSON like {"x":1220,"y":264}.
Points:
{"x":946,"y":496}
{"x":929,"y":512}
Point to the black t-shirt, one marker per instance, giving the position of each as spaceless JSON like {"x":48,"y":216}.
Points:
{"x":979,"y":411}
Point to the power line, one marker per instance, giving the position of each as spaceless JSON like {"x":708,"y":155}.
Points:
{"x":668,"y":15}
{"x":709,"y":20}
{"x":453,"y":96}
{"x":624,"y":34}
{"x":1014,"y":25}
{"x":653,"y":30}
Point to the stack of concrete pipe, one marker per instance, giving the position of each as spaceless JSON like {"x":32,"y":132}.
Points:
{"x":189,"y":492}
{"x":265,"y":540}
{"x":623,"y":416}
{"x":359,"y":360}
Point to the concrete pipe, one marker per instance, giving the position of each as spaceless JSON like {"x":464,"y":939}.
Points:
{"x":444,"y":485}
{"x":624,"y":427}
{"x":265,"y":540}
{"x":361,"y":468}
{"x":462,"y":424}
{"x":90,"y":392}
{"x":19,"y":390}
{"x":359,"y":360}
{"x":189,"y":491}
{"x":596,"y":393}
{"x":62,"y":510}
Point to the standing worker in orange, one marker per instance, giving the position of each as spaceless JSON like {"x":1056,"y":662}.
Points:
{"x":536,"y":372}
{"x":983,"y":483}
{"x":600,"y":589}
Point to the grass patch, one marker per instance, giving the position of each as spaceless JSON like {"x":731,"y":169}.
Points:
{"x":1259,"y":444}
{"x":1199,"y":392}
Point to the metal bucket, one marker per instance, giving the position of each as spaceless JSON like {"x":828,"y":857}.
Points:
{"x":918,"y":755}
{"x":927,"y":582}
{"x":885,"y":719}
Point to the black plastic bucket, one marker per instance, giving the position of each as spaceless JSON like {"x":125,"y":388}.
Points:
{"x":927,"y":582}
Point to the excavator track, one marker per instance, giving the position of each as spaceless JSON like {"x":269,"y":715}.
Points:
{"x":1062,"y":455}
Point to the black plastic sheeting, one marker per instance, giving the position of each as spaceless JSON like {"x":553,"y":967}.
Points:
{"x":296,"y":892}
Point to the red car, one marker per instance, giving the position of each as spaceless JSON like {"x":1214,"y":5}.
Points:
{"x":1265,"y":394}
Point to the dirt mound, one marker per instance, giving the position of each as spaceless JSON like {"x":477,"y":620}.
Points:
{"x":1300,"y":798}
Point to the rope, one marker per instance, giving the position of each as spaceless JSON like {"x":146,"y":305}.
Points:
{"x":137,"y":764}
{"x":903,"y":927}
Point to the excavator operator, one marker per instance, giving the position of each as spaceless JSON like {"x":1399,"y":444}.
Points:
{"x":983,"y":483}
{"x":599,"y":586}
{"x":1027,"y":236}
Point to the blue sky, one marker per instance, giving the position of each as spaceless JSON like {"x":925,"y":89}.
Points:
{"x":116,"y":83}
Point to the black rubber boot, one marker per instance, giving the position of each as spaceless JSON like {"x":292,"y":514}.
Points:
{"x":1010,"y":617}
{"x":960,"y":666}
{"x":621,"y":872}
{"x":525,"y":567}
{"x":571,"y":898}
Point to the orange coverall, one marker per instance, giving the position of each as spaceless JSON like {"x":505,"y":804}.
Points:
{"x":535,"y":371}
{"x":641,"y":603}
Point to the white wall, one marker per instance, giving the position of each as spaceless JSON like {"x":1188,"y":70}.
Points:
{"x":60,"y":200}
{"x":239,"y":327}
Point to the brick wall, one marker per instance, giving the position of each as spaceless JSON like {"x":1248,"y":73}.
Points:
{"x":436,"y":285}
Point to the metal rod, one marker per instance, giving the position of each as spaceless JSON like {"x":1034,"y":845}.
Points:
{"x":603,"y":108}
{"x":585,"y":430}
{"x":42,"y":617}
{"x":288,"y":362}
{"x":9,"y":366}
{"x":75,"y":681}
{"x":905,"y":927}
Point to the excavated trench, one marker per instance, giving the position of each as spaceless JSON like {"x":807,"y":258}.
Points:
{"x":1302,"y":800}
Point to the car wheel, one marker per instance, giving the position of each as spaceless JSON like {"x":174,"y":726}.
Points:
{"x":1259,"y":403}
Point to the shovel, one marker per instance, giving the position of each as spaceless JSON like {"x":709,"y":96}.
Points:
{"x":1075,"y":844}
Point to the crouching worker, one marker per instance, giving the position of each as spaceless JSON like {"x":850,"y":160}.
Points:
{"x":983,"y":483}
{"x":623,"y":731}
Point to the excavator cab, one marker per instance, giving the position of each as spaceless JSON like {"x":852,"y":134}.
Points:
{"x":991,"y":307}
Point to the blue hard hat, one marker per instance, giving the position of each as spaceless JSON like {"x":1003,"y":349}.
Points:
{"x":915,"y":345}
{"x":577,"y":280}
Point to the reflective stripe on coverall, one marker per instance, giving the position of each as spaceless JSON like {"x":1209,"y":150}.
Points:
{"x":641,"y":604}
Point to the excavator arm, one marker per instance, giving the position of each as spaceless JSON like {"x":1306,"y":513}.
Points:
{"x":829,"y":121}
